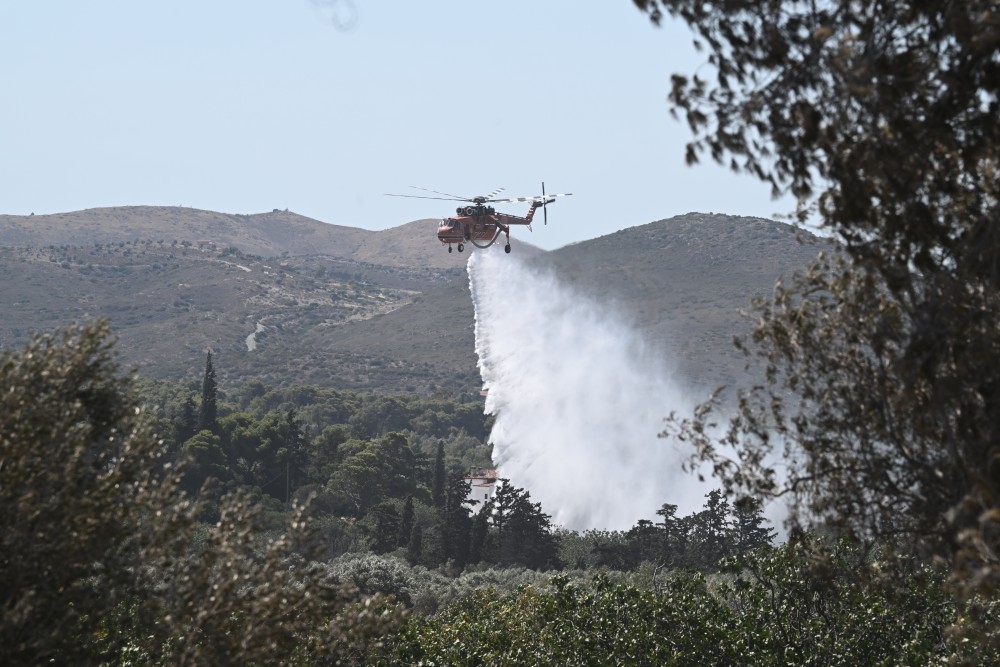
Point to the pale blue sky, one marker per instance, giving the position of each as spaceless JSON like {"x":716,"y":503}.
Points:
{"x":243,"y":106}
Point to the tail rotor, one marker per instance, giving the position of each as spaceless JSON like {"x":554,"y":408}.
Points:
{"x":545,"y":211}
{"x":547,"y":199}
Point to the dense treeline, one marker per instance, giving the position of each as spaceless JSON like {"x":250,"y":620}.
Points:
{"x":771,"y":608}
{"x":386,"y":474}
{"x":265,"y":537}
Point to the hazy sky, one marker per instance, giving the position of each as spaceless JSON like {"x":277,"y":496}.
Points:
{"x":321,"y":106}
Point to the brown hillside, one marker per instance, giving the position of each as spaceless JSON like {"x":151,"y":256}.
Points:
{"x":374,"y":322}
{"x":684,"y":281}
{"x":265,"y":234}
{"x":168,"y":304}
{"x":681,"y":281}
{"x":274,"y":234}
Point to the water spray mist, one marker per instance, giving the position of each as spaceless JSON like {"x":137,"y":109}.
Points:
{"x":578,"y":398}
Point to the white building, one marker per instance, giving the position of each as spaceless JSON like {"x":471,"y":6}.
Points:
{"x":482,"y":485}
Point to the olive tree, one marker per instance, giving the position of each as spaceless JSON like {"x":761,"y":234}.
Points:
{"x":80,"y":469}
{"x":102,"y":556}
{"x":882,"y":389}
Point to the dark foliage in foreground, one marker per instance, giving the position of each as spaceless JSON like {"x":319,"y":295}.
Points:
{"x":103,"y":555}
{"x":775,"y":608}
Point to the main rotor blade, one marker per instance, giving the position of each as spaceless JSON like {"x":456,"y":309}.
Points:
{"x":488,"y":199}
{"x":390,"y":194}
{"x":459,"y":197}
{"x":537,"y":198}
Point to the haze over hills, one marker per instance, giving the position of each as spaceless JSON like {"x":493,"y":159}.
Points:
{"x":287,"y":299}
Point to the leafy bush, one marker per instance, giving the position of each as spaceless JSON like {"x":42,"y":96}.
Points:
{"x":571,"y":624}
{"x":797,"y":604}
{"x":372,"y":574}
{"x":102,"y":554}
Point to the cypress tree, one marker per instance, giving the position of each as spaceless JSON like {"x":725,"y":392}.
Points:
{"x":415,"y":545}
{"x":480,"y":528}
{"x":456,"y":525}
{"x":438,"y":489}
{"x":384,"y":527}
{"x":406,"y":522}
{"x":296,"y":452}
{"x":208,"y":416}
{"x":748,"y":526}
{"x":187,"y":424}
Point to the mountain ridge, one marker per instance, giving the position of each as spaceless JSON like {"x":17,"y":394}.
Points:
{"x":386,"y":311}
{"x":270,"y":234}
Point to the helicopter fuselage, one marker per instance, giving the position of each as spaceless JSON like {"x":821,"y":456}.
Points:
{"x":480,"y":224}
{"x":470,"y":228}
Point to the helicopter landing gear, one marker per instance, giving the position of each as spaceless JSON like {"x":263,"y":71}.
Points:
{"x":506,"y":248}
{"x":461,"y":247}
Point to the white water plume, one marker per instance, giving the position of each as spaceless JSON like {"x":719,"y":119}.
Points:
{"x":578,"y":398}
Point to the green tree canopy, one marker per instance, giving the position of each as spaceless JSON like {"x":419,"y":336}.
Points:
{"x":775,"y":609}
{"x":103,"y":558}
{"x":440,"y":478}
{"x":208,"y":416}
{"x":882,"y":388}
{"x":374,"y":470}
{"x":77,"y":457}
{"x":521,"y":532}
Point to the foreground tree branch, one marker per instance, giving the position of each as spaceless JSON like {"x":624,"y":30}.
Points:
{"x":882,"y":392}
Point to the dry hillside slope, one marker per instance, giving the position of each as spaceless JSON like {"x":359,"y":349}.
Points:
{"x":682,"y":282}
{"x":352,"y":308}
{"x":274,"y":234}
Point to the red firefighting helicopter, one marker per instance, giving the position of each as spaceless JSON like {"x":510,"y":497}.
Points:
{"x":480,"y":224}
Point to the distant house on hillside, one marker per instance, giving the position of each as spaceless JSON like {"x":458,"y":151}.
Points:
{"x":482,"y":485}
{"x":206,"y":243}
